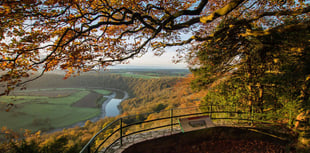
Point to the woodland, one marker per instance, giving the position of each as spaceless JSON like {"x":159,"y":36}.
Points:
{"x":253,"y":53}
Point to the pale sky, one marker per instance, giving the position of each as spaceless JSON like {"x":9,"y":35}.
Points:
{"x":149,"y":60}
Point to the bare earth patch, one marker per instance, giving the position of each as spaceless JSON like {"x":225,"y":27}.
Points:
{"x":90,"y":101}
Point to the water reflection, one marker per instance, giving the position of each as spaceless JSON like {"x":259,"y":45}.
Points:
{"x":111,"y":108}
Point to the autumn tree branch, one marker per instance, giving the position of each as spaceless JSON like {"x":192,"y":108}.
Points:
{"x":80,"y":35}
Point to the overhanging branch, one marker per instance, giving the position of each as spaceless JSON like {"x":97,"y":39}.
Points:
{"x":281,"y":29}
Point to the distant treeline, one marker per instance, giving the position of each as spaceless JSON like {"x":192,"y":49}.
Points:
{"x":134,"y":86}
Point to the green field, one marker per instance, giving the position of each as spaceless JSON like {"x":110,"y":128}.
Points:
{"x":147,"y":74}
{"x":142,"y":76}
{"x":104,"y":92}
{"x":44,"y":112}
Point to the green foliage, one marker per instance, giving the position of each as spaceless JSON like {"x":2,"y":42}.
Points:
{"x":159,"y":107}
{"x":135,"y":118}
{"x":57,"y":146}
{"x":25,"y":147}
{"x":269,"y":71}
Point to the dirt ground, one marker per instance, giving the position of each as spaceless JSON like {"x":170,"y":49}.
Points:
{"x":214,"y":140}
{"x":89,"y":100}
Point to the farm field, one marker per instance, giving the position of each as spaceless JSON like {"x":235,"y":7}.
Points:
{"x":151,"y":74}
{"x":92,"y":100}
{"x":142,"y":76}
{"x":46,"y":109}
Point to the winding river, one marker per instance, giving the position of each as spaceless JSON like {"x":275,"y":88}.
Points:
{"x":109,"y":108}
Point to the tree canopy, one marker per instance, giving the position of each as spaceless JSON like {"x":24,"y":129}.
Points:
{"x":265,"y":68}
{"x":80,"y":35}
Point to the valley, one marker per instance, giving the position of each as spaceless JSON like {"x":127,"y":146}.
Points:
{"x":52,"y":103}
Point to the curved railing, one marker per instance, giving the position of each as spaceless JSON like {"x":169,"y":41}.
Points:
{"x":221,"y":115}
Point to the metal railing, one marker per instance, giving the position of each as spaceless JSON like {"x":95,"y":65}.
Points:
{"x":223,"y":115}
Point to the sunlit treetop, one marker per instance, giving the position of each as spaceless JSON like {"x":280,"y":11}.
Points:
{"x":79,"y":35}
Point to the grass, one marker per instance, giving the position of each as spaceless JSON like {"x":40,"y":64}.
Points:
{"x":104,"y":92}
{"x":60,"y":116}
{"x":43,"y":113}
{"x":20,"y":99}
{"x":69,"y":100}
{"x":138,"y":76}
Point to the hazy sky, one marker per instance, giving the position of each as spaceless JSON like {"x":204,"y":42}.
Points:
{"x":151,"y":61}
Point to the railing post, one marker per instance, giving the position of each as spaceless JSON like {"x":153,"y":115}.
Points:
{"x":252,"y":116}
{"x":290,"y":118}
{"x":211,"y":111}
{"x":121,"y":131}
{"x":171,"y":119}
